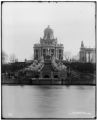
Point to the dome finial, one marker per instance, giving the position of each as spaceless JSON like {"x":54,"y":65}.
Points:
{"x":82,"y":44}
{"x":48,"y":26}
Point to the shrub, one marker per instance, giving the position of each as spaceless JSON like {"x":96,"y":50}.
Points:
{"x":82,"y":67}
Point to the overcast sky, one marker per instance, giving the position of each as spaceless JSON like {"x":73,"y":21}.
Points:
{"x":24,"y":23}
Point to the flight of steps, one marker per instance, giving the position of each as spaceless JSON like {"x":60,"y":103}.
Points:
{"x":47,"y":66}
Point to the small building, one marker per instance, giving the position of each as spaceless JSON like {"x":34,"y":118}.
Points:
{"x":87,"y":54}
{"x":48,"y":46}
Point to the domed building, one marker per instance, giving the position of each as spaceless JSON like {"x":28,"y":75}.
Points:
{"x":47,"y":58}
{"x":47,"y":67}
{"x":48,"y":46}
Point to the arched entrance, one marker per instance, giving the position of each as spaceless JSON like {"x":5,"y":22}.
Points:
{"x":46,"y":76}
{"x":55,"y":76}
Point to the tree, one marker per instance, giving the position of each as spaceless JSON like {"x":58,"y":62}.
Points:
{"x":12,"y":58}
{"x":67,"y":55}
{"x":4,"y":57}
{"x":25,"y":60}
{"x":75,"y":57}
{"x":16,"y":60}
{"x":32,"y":57}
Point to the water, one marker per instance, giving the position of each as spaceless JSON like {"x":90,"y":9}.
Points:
{"x":48,"y":101}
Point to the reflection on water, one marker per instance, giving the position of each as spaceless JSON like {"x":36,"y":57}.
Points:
{"x":48,"y":101}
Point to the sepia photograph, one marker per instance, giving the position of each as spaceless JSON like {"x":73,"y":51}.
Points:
{"x":48,"y":59}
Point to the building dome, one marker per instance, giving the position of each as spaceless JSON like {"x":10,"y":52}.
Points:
{"x":48,"y":30}
{"x":48,"y":33}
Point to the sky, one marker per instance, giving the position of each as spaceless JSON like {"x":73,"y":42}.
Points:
{"x":23,"y":24}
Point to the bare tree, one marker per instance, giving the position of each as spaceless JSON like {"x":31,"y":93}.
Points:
{"x":32,"y":57}
{"x":67,"y":55}
{"x":4,"y":57}
{"x":16,"y":60}
{"x":12,"y":58}
{"x":75,"y":57}
{"x":25,"y":60}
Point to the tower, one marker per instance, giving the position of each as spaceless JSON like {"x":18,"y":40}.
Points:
{"x":82,"y":53}
{"x":82,"y":44}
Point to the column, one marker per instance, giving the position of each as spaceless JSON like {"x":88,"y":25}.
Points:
{"x":55,"y":52}
{"x":50,"y":52}
{"x":89,"y":56}
{"x":80,"y":56}
{"x":41,"y":51}
{"x":46,"y":51}
{"x":62,"y":54}
{"x":40,"y":74}
{"x":38,"y":53}
{"x":58,"y":53}
{"x":51,"y":74}
{"x":34,"y":53}
{"x":85,"y":57}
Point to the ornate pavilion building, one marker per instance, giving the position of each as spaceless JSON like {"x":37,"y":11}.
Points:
{"x":48,"y":46}
{"x":47,"y":59}
{"x":87,"y":54}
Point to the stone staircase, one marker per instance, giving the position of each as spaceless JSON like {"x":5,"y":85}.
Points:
{"x":47,"y":69}
{"x":47,"y":66}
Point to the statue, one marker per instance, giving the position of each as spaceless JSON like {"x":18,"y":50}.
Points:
{"x":59,"y":66}
{"x":36,"y":65}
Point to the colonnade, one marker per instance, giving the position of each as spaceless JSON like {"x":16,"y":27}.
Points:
{"x":38,"y":52}
{"x":86,"y":56}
